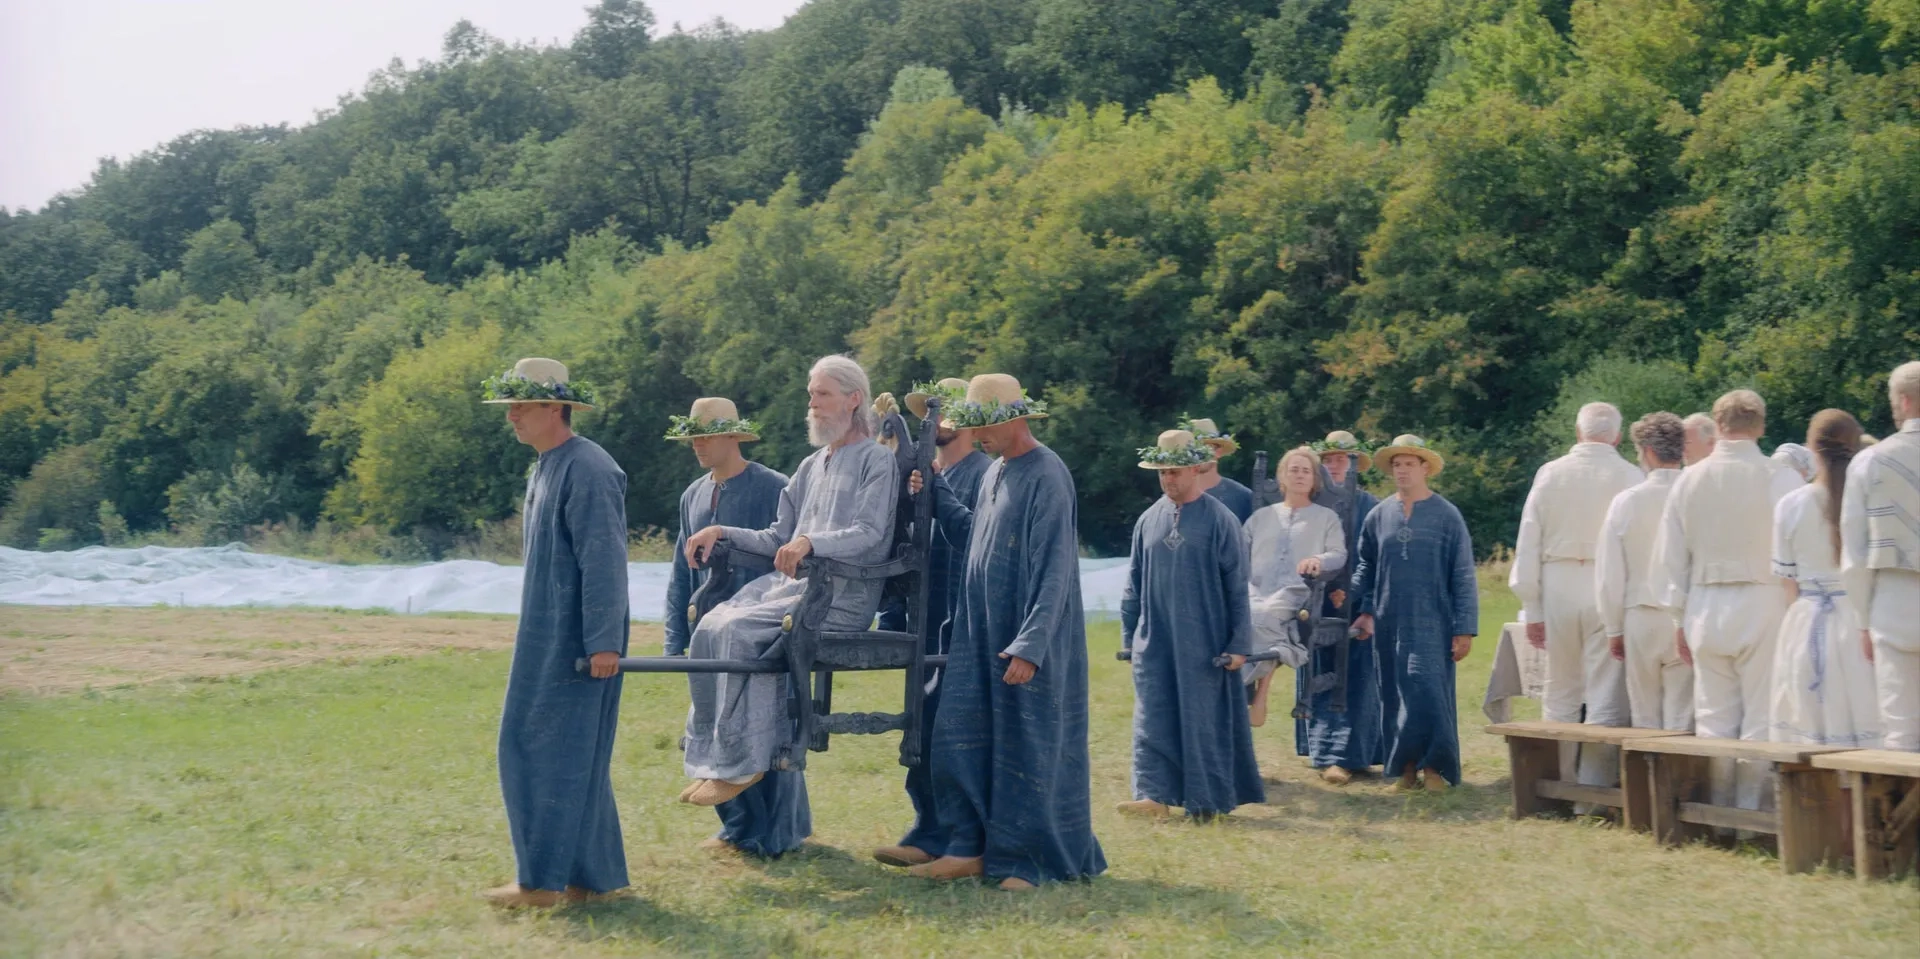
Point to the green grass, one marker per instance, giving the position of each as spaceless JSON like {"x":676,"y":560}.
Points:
{"x":333,"y":810}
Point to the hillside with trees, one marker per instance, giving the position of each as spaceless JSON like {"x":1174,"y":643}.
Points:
{"x":1453,"y":217}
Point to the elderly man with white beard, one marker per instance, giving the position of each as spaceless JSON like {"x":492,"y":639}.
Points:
{"x":839,"y":505}
{"x":1553,"y":578}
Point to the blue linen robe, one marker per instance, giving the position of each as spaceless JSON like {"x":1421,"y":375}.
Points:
{"x":1235,"y":495}
{"x":1415,"y":575}
{"x":842,"y":500}
{"x":1354,"y":739}
{"x":947,"y":568}
{"x":772,"y":816}
{"x":1183,"y":605}
{"x":1010,"y":765}
{"x":557,"y":726}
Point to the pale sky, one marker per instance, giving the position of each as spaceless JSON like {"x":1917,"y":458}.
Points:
{"x":85,"y":79}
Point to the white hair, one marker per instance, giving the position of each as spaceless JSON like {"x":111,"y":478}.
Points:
{"x":1904,"y":381}
{"x":851,"y":379}
{"x":1599,"y":423}
{"x":1701,"y":425}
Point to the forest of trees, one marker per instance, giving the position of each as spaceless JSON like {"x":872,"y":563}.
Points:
{"x":1454,"y":217}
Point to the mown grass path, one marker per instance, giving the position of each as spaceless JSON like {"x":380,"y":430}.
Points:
{"x":352,"y":809}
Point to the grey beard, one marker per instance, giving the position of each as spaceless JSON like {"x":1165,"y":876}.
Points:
{"x":822,"y":435}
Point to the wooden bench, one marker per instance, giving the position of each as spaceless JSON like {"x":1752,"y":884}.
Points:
{"x":1806,"y":819}
{"x":1886,"y":809}
{"x":1541,"y":786}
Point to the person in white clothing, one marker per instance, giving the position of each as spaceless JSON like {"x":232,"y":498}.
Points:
{"x":1793,"y":456}
{"x":1716,"y":580}
{"x":1553,"y":577}
{"x":1880,"y":540}
{"x":1700,"y":436}
{"x":1639,"y":632}
{"x":1822,"y":680}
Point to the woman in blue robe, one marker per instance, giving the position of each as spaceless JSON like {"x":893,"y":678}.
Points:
{"x":1414,"y":589}
{"x":1185,"y":603}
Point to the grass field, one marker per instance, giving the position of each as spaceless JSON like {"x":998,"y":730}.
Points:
{"x":345,"y":803}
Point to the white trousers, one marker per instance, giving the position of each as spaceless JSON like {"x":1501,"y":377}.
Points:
{"x":1581,"y":671}
{"x":1659,"y":682}
{"x":1731,"y":629}
{"x":1895,"y":622}
{"x":1896,"y":677}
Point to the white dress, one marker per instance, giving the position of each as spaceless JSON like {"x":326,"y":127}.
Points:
{"x":1823,"y":692}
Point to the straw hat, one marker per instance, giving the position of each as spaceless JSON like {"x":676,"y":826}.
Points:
{"x":1177,"y":449}
{"x":949,"y":389}
{"x":1410,"y":445}
{"x":1341,"y":441}
{"x":713,"y":416}
{"x":992,"y":399}
{"x":1223,"y":443}
{"x":538,"y":380}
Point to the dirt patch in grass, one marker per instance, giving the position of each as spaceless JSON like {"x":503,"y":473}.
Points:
{"x":48,"y":650}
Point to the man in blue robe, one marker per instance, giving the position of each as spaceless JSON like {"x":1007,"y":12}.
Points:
{"x":1414,"y":589}
{"x":1235,"y":494}
{"x":771,"y":817}
{"x":1010,"y":765}
{"x":839,"y":505}
{"x":960,"y":466}
{"x":556,"y":730}
{"x":1186,"y":603}
{"x":1343,"y":742}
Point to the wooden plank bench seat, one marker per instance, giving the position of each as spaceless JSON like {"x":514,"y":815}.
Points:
{"x":1806,"y":819}
{"x":1541,"y":786}
{"x":1886,"y":809}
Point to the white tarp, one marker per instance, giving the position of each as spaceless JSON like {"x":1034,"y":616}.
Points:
{"x":232,"y":576}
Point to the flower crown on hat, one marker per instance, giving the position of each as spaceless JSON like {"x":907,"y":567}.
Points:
{"x":965,"y":415}
{"x":1201,"y":433}
{"x":1360,"y":446}
{"x":1193,"y":455}
{"x":506,"y":386}
{"x":685,"y":427}
{"x":950,"y":397}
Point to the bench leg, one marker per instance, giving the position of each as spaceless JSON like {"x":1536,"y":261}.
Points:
{"x":1672,"y":780}
{"x":1881,"y":848}
{"x":1809,"y":803}
{"x":1534,"y":760}
{"x":1636,"y":792}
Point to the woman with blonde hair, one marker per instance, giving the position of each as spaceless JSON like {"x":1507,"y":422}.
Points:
{"x":1288,"y":542}
{"x":1823,"y":692}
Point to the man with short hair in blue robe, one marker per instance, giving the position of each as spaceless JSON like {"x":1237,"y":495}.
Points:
{"x":1235,"y":494}
{"x":1348,"y":741}
{"x":960,"y":466}
{"x":1416,"y":595}
{"x":771,"y":817}
{"x":1010,"y":765}
{"x":1185,"y":604}
{"x":557,"y":727}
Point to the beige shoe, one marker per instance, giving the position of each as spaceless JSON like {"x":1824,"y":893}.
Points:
{"x":1408,"y":781}
{"x":949,"y":867}
{"x":907,"y":856}
{"x":1335,"y":775}
{"x":1145,"y":807}
{"x":1016,"y":884}
{"x":1435,"y":782}
{"x":513,"y":896}
{"x":713,"y":792}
